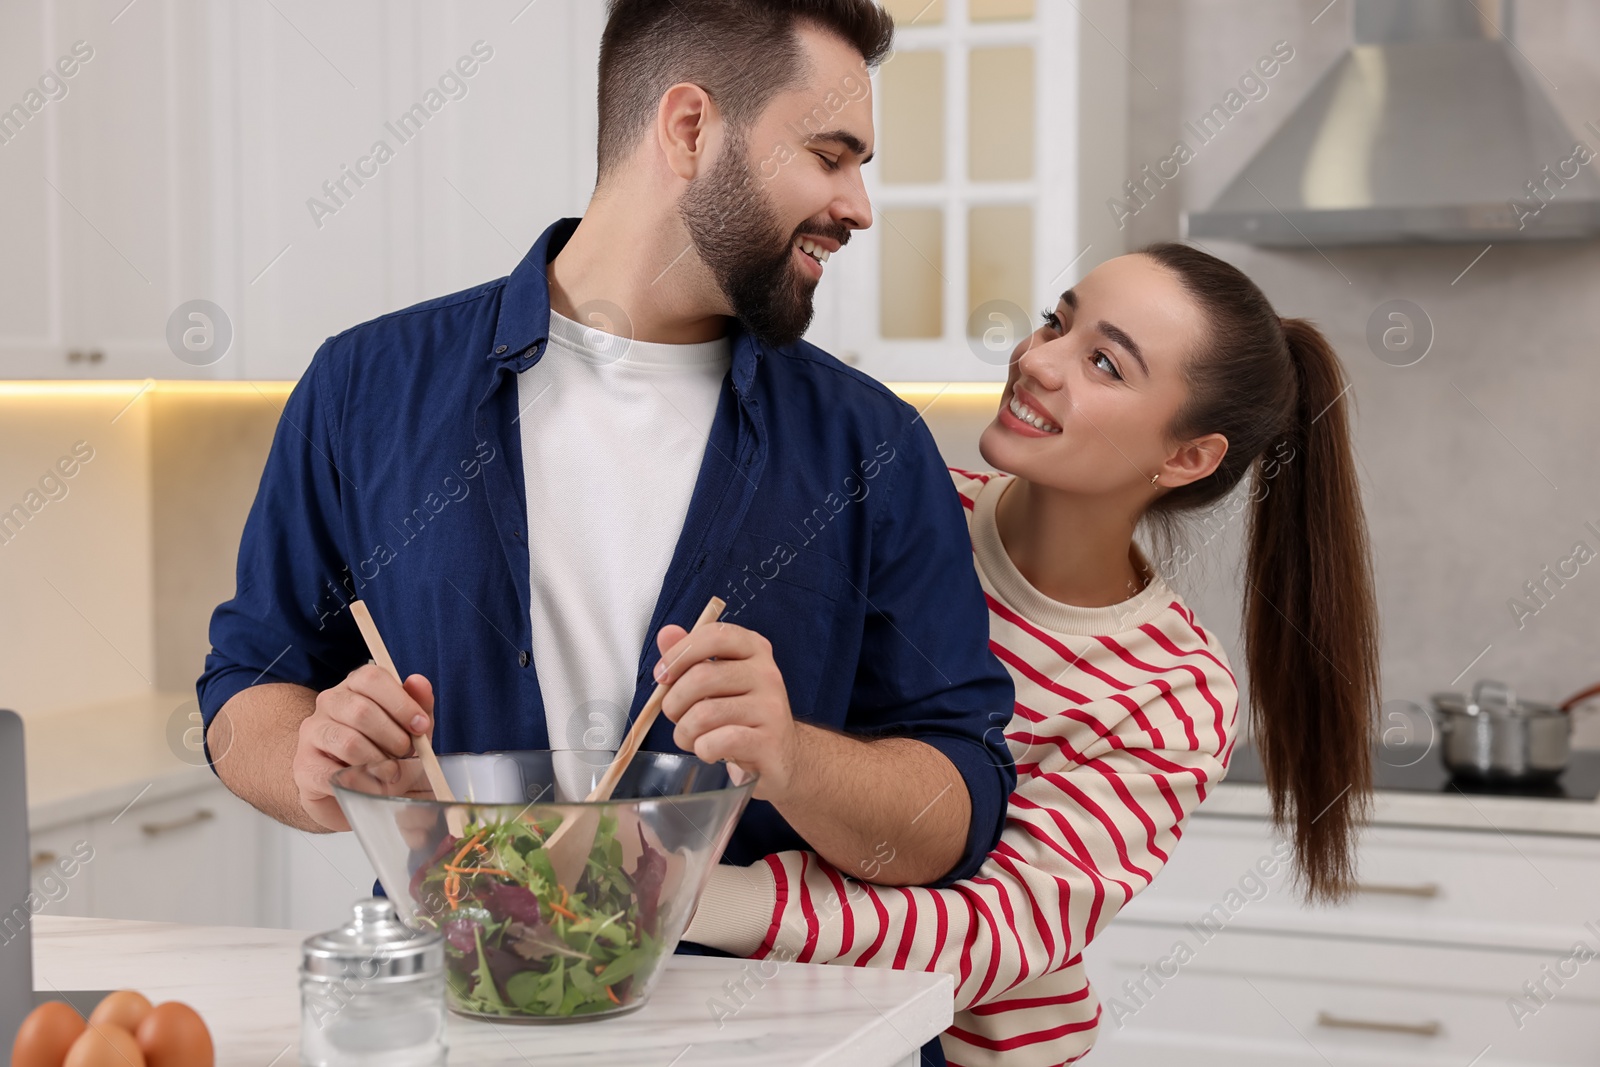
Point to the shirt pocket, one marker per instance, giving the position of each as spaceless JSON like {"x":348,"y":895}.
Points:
{"x":757,"y":559}
{"x":795,"y":598}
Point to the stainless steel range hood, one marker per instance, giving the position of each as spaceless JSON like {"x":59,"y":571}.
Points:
{"x":1431,"y":128}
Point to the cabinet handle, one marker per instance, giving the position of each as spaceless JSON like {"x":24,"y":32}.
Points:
{"x":1334,"y":1022}
{"x":43,"y":858}
{"x":1426,"y":891}
{"x":156,"y":829}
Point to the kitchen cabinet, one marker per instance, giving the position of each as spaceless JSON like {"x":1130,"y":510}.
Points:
{"x":309,"y":881}
{"x":1249,"y":999}
{"x":378,"y":155}
{"x":191,"y":857}
{"x":201,"y":856}
{"x":102,"y":187}
{"x":1425,"y":965}
{"x":229,"y":154}
{"x":57,"y":876}
{"x":188,"y":858}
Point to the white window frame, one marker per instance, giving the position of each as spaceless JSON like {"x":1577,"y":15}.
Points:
{"x":1072,"y":43}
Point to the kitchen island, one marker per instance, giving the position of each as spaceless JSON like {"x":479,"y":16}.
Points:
{"x":245,"y":983}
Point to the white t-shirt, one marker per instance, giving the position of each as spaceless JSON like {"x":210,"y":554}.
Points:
{"x":613,"y":434}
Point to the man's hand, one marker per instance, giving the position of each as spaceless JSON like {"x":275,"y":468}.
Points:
{"x":730,"y":703}
{"x":367,"y":718}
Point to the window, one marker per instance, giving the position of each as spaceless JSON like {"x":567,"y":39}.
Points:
{"x":974,"y":191}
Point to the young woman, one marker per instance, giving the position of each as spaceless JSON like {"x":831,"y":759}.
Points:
{"x":1150,"y":393}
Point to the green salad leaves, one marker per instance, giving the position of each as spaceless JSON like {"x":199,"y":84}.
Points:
{"x":517,"y":943}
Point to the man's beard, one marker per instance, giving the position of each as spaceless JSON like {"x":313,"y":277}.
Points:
{"x":742,"y":242}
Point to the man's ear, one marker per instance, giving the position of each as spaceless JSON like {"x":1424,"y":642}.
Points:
{"x":1193,"y":460}
{"x":684,"y":123}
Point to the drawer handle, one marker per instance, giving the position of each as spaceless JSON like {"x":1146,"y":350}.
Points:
{"x":1425,"y":891}
{"x":43,"y":858}
{"x":1334,"y":1022}
{"x":156,"y":829}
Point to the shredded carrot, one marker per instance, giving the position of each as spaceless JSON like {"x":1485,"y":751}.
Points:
{"x":613,"y":997}
{"x":452,"y":889}
{"x":598,"y":968}
{"x":476,"y":870}
{"x":467,"y":848}
{"x":563,"y":896}
{"x":558,"y":908}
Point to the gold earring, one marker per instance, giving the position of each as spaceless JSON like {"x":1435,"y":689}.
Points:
{"x":1154,"y":477}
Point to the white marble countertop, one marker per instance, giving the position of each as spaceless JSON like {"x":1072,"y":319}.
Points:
{"x":245,"y":984}
{"x":88,"y":760}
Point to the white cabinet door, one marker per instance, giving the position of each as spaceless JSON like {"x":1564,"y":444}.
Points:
{"x":514,"y":154}
{"x":1447,"y":886}
{"x":308,"y":245}
{"x":313,"y":879}
{"x":60,"y":858}
{"x":384,"y":154}
{"x":29,"y":317}
{"x":192,"y":858}
{"x":103,"y":188}
{"x":1245,"y":998}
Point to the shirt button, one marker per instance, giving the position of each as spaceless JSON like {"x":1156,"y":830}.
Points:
{"x":500,"y":350}
{"x":524,"y":658}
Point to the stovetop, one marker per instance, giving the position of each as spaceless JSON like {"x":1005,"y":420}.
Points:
{"x":1421,"y":769}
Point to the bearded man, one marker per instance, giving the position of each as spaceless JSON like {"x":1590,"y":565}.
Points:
{"x":534,"y":481}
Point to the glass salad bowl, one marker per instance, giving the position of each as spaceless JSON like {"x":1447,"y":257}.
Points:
{"x":520,"y":947}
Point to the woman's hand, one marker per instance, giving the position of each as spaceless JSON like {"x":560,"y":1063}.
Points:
{"x":729,"y":702}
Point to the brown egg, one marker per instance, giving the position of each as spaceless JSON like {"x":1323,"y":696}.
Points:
{"x":174,"y":1035}
{"x":104,"y":1045}
{"x":124,"y":1008}
{"x":46,"y":1035}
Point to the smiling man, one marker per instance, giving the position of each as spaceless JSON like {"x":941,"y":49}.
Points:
{"x":624,"y":427}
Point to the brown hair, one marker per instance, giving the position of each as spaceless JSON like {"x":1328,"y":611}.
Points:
{"x":1310,"y":615}
{"x":741,"y":52}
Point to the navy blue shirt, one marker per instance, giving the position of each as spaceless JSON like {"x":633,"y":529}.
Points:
{"x":822,"y":514}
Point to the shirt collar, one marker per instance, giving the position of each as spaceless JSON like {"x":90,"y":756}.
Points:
{"x":523,"y":325}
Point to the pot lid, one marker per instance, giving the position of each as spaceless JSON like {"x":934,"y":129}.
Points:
{"x":1491,"y":697}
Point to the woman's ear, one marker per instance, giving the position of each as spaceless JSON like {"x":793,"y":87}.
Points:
{"x":1193,"y":460}
{"x":683,"y":127}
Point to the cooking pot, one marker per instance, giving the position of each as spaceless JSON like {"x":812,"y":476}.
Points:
{"x":1494,"y":737}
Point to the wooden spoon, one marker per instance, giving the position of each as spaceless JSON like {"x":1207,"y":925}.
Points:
{"x":455,"y":818}
{"x":569,"y":846}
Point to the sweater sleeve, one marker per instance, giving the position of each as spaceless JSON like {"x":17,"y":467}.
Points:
{"x":1093,"y":820}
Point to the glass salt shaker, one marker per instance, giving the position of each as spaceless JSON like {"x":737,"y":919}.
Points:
{"x":372,"y":993}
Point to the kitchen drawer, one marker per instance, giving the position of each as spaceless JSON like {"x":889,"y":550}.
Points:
{"x":1246,"y":999}
{"x":1448,"y":886}
{"x":190,"y":858}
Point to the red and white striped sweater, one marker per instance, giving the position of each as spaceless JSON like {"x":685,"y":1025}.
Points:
{"x":1124,"y":720}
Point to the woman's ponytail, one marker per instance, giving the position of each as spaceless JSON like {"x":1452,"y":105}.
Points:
{"x":1275,"y":389}
{"x":1310,"y":625}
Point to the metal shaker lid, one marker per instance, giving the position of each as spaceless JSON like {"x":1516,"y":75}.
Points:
{"x":374,"y":945}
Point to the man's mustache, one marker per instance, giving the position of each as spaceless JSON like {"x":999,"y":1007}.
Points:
{"x":837,"y":231}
